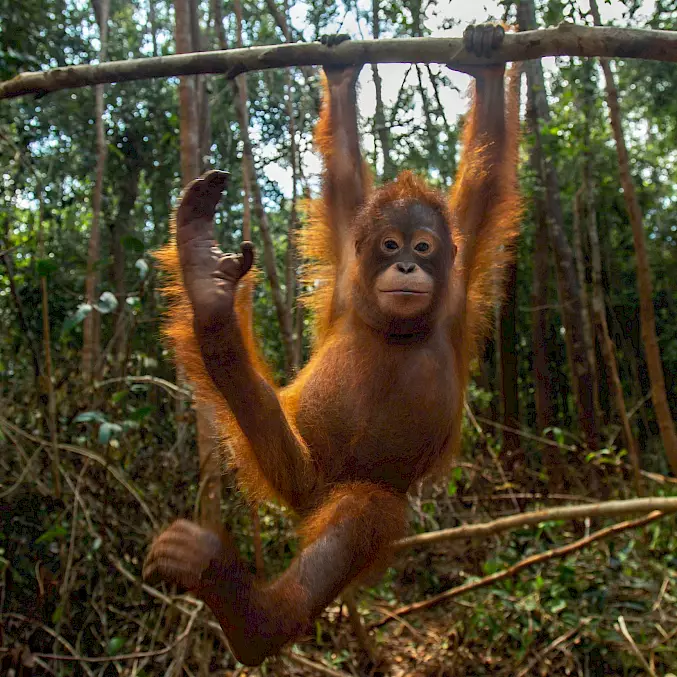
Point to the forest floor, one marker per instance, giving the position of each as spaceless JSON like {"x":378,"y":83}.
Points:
{"x":72,"y":600}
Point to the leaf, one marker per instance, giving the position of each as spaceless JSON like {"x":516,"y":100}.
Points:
{"x":88,"y":416}
{"x":58,"y":613}
{"x":108,"y":431}
{"x":140,"y":413}
{"x":117,"y":397}
{"x":456,"y":475}
{"x":78,"y":316}
{"x":115,"y":644}
{"x":46,"y":267}
{"x":142,"y":266}
{"x":132,"y":243}
{"x":107,"y":303}
{"x":55,"y":532}
{"x":558,"y":606}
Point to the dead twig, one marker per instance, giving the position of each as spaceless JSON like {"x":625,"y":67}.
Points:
{"x":318,"y":667}
{"x":635,"y":649}
{"x":553,"y":645}
{"x":173,"y":390}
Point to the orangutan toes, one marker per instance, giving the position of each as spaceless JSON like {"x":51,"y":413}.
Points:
{"x":184,"y":554}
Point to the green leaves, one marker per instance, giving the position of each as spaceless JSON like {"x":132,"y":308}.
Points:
{"x":142,"y":266}
{"x":46,"y":267}
{"x":76,"y":318}
{"x":107,"y":303}
{"x":89,"y":416}
{"x":133,"y":244}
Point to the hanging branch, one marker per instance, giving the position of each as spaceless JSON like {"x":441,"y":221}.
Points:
{"x":564,"y":40}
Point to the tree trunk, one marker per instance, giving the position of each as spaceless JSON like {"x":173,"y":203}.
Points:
{"x":291,"y":259}
{"x":210,"y":464}
{"x":588,"y":334}
{"x":646,"y":309}
{"x":570,"y":293}
{"x":607,"y":345}
{"x":284,"y":317}
{"x":431,"y":135}
{"x":119,"y":227}
{"x":203,"y":113}
{"x":92,"y":323}
{"x":380,"y":128}
{"x":543,"y":377}
{"x":598,"y":307}
{"x":507,"y":331}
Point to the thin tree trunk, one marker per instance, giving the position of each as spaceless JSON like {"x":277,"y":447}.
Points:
{"x":119,"y":227}
{"x":451,"y":135}
{"x":152,"y":20}
{"x":291,"y":259}
{"x":203,"y":113}
{"x":92,"y":323}
{"x":646,"y":309}
{"x":30,"y":339}
{"x":565,"y":383}
{"x":570,"y":299}
{"x":431,"y":135}
{"x":380,"y":128}
{"x":588,"y":333}
{"x":507,"y":331}
{"x":210,"y":466}
{"x":543,"y":377}
{"x":284,"y":317}
{"x":189,"y":141}
{"x":47,"y":349}
{"x":241,"y":96}
{"x":607,"y":345}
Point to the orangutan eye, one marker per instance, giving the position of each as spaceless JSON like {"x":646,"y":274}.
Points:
{"x":424,"y":247}
{"x":390,"y":245}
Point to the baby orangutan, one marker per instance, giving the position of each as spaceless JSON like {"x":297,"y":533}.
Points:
{"x":406,"y":276}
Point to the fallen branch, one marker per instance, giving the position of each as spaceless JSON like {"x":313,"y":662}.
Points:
{"x":516,"y":568}
{"x":569,"y":512}
{"x":564,"y":40}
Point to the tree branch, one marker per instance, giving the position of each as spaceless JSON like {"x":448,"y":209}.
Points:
{"x":516,"y":568}
{"x":569,"y":512}
{"x":564,"y":40}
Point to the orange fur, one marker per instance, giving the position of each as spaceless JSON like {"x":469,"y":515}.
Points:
{"x":178,"y":330}
{"x":316,"y":241}
{"x":493,"y":247}
{"x":380,"y":403}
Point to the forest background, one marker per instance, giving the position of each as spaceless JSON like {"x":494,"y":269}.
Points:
{"x":99,"y":446}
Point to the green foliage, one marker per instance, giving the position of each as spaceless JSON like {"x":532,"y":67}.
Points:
{"x":131,"y":427}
